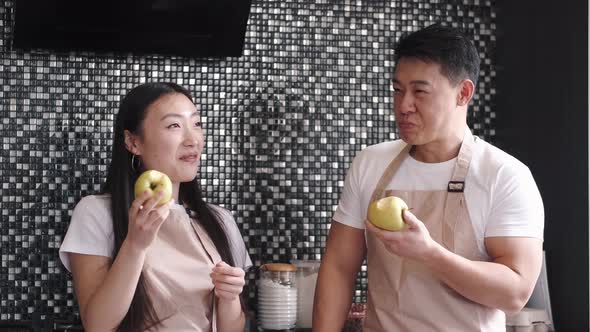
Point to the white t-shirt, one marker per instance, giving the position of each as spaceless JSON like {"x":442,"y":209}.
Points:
{"x":500,"y":193}
{"x":91,"y":232}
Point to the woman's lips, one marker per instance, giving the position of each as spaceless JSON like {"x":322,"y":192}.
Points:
{"x":190,"y":158}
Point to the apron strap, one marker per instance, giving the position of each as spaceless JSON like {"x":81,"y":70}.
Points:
{"x":455,"y":190}
{"x":213,"y":254}
{"x":206,"y":242}
{"x":455,"y":187}
{"x":388,"y":174}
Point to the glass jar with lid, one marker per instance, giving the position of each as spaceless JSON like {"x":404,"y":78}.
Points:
{"x":277,"y":297}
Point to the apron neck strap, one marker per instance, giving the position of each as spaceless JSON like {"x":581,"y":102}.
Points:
{"x":206,"y":241}
{"x":389,"y":172}
{"x":457,"y":183}
{"x":455,"y":191}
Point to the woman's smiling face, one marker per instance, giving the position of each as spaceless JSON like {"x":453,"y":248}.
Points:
{"x":170,"y":138}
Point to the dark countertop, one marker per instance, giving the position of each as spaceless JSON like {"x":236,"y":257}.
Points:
{"x":351,"y":325}
{"x":251,"y":326}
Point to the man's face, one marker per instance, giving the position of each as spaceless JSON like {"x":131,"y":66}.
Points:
{"x":425,"y":102}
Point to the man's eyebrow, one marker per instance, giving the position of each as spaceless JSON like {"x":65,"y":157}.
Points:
{"x":422,"y":82}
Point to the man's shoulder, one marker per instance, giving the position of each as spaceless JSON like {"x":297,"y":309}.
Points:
{"x":389,"y":148}
{"x":493,"y":158}
{"x":375,"y":158}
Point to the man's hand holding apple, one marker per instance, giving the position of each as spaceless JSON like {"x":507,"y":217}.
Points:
{"x":413,"y":241}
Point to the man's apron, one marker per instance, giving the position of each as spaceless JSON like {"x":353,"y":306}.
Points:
{"x":403,"y":295}
{"x":177,"y":269}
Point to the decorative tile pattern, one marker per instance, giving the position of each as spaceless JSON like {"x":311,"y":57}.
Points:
{"x":282,"y":124}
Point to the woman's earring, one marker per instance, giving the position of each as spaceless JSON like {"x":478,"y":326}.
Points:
{"x":133,"y":167}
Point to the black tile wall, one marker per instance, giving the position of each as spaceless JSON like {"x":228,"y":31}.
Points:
{"x":282,"y":124}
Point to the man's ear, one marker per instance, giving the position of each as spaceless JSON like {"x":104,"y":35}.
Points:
{"x":465,"y":93}
{"x":131,"y":143}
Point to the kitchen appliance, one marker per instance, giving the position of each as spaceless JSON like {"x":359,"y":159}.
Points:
{"x":307,"y":275}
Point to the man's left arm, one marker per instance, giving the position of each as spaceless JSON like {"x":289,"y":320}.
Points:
{"x":506,"y":282}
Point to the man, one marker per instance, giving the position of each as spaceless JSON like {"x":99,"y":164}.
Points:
{"x":472,"y":248}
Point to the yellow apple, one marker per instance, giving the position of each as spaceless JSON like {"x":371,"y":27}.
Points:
{"x":154,"y":182}
{"x":387,"y":213}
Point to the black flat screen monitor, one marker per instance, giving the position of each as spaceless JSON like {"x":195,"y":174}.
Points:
{"x":199,"y":28}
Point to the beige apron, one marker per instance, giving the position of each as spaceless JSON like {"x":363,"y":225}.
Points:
{"x":403,"y":295}
{"x":177,"y":269}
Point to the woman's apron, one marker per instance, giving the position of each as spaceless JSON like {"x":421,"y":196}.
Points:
{"x":403,"y":295}
{"x":177,"y":269}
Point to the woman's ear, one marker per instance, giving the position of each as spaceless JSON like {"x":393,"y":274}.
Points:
{"x":466,"y":91}
{"x":131,"y":143}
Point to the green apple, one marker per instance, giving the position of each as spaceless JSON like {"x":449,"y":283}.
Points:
{"x":154,"y":182}
{"x":387,"y":213}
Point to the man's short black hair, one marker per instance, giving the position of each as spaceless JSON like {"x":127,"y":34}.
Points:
{"x":449,"y":47}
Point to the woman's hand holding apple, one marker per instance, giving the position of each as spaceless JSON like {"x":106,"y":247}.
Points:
{"x":145,"y":219}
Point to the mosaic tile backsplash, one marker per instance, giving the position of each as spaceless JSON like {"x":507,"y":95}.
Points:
{"x":282,"y":125}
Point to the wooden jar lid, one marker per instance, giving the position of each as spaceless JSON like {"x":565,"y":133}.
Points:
{"x":282,"y":267}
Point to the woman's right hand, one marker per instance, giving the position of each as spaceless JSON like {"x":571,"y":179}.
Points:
{"x":145,"y":219}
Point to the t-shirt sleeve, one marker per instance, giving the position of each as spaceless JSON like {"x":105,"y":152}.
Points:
{"x":516,"y":207}
{"x":90,"y":231}
{"x":236,"y":241}
{"x":350,"y":211}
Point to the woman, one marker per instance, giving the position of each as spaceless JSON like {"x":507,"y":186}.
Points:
{"x":138,"y":266}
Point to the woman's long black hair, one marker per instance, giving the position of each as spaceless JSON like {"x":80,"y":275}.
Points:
{"x":119,"y":184}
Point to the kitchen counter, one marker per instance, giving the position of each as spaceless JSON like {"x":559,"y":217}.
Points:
{"x":351,"y":326}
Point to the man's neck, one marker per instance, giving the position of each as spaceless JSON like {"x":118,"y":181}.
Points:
{"x":439,"y":151}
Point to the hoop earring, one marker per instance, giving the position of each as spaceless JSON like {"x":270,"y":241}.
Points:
{"x":133,"y":163}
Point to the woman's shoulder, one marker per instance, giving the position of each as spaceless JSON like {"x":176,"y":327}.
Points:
{"x":90,"y":231}
{"x":94,"y":209}
{"x":98,"y":201}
